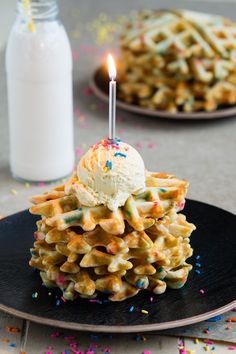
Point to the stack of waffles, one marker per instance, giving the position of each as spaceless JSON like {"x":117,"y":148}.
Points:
{"x":178,"y":60}
{"x":86,"y":250}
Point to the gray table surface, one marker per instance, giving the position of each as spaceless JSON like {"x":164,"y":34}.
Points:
{"x":202,"y":152}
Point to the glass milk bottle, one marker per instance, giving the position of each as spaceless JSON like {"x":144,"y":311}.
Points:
{"x":39,"y":78}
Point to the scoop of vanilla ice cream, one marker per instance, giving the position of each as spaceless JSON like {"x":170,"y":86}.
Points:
{"x":109,"y":173}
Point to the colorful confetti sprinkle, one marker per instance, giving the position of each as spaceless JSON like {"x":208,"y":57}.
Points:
{"x":88,"y":91}
{"x":144,"y":311}
{"x":14,"y":191}
{"x":79,"y":151}
{"x":152,"y":145}
{"x":120,"y":154}
{"x":139,"y":145}
{"x":75,"y":55}
{"x":103,"y":28}
{"x":41,"y":184}
{"x":214,"y":319}
{"x":12,"y":345}
{"x":208,"y":341}
{"x":12,"y":329}
{"x":55,"y":335}
{"x":231,"y":319}
{"x":35,"y":295}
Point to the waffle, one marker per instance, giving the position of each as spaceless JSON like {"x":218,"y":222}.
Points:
{"x":84,"y":263}
{"x":166,"y":56}
{"x":163,"y":192}
{"x":142,"y":245}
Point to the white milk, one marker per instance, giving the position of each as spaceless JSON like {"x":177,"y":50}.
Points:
{"x":39,"y":78}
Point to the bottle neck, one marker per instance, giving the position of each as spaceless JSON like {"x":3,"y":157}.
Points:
{"x":37,"y":10}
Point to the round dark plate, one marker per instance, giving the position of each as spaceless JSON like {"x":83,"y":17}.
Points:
{"x":214,"y":240}
{"x":100,"y":85}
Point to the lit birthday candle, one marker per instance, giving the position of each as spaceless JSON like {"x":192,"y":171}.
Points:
{"x":112,"y":97}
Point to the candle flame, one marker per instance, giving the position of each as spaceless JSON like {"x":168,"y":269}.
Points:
{"x":111,"y":67}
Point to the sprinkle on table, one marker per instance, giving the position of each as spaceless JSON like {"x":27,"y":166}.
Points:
{"x":151,"y":145}
{"x":41,"y":184}
{"x":131,"y":309}
{"x":82,"y":118}
{"x":202,"y":291}
{"x":79,"y":151}
{"x":13,"y":345}
{"x":75,"y":55}
{"x":104,"y":28}
{"x":214,"y":319}
{"x":231,"y":319}
{"x":12,"y":329}
{"x":55,"y":335}
{"x":14,"y":191}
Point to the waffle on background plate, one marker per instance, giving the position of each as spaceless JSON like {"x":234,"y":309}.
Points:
{"x":86,"y":250}
{"x":178,"y":60}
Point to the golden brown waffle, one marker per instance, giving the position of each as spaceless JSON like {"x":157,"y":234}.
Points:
{"x":61,"y":211}
{"x":142,"y":245}
{"x":82,"y":263}
{"x":178,"y":61}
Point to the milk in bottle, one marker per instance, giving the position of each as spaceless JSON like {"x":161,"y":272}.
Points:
{"x":39,"y":79}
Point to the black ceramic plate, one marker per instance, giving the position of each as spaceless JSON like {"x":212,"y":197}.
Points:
{"x":214,"y":240}
{"x":99,"y":84}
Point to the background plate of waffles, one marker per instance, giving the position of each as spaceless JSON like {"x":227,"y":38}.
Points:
{"x":209,"y":291}
{"x":175,"y":64}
